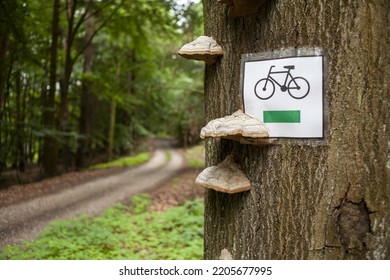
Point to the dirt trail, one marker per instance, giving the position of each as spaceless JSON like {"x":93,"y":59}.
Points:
{"x":25,"y":221}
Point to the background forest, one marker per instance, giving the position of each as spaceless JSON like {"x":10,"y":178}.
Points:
{"x":86,"y":80}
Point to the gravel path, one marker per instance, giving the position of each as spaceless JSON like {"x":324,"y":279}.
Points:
{"x":25,"y":221}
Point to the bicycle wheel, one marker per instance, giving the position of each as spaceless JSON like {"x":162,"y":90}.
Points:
{"x":298,"y":88}
{"x":264,"y":89}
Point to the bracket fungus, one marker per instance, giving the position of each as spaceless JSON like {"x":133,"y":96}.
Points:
{"x":225,"y":177}
{"x":238,"y":127}
{"x":239,"y":8}
{"x":203,"y":48}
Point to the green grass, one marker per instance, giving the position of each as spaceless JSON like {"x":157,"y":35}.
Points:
{"x":124,"y":161}
{"x":168,"y":155}
{"x":196,"y":156}
{"x":122,"y":232}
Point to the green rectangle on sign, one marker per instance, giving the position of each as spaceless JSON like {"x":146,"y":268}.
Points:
{"x":282,"y":116}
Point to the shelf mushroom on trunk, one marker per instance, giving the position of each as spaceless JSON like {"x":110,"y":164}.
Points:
{"x":238,"y":127}
{"x":204,"y":48}
{"x":225,"y":177}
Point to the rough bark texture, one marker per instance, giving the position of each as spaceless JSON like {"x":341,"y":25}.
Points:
{"x":308,"y":202}
{"x":50,"y":149}
{"x":87,"y":97}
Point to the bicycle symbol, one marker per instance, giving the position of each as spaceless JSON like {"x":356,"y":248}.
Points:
{"x":297,"y":87}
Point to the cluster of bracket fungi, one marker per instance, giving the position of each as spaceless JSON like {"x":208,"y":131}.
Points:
{"x":227,"y":176}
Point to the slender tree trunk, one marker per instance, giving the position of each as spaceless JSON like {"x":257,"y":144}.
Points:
{"x":86,"y":110}
{"x":308,"y":202}
{"x":111,"y":130}
{"x":63,"y":112}
{"x":4,"y":40}
{"x":19,"y":155}
{"x":50,"y":144}
{"x":3,"y":69}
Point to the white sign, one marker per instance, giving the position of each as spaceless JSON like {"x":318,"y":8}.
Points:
{"x":286,"y":94}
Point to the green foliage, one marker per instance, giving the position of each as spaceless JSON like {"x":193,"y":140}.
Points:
{"x":140,"y":203}
{"x":124,"y":161}
{"x":168,"y":155}
{"x":122,"y":232}
{"x":194,"y":163}
{"x":133,"y":63}
{"x":151,"y":85}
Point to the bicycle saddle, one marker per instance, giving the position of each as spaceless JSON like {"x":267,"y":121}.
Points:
{"x":289,"y":67}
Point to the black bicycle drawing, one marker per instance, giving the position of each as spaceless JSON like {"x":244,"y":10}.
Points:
{"x":297,"y":87}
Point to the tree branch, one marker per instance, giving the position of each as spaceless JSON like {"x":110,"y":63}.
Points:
{"x":102,"y":25}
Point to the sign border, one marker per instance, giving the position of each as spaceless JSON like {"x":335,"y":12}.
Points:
{"x":291,"y":53}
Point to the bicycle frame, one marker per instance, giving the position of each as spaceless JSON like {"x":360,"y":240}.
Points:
{"x":288,"y":74}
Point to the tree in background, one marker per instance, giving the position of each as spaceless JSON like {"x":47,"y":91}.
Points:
{"x":12,"y":89}
{"x":81,"y":81}
{"x":308,"y":202}
{"x":50,"y":151}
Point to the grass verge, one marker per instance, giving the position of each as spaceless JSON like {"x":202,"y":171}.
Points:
{"x":196,"y":156}
{"x":122,"y":232}
{"x":124,"y":161}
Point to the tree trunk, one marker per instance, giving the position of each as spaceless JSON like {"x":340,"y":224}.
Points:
{"x":4,"y":40}
{"x":63,"y":110}
{"x":50,"y":144}
{"x":111,"y":130}
{"x":19,"y":134}
{"x":112,"y":123}
{"x":308,"y":202}
{"x":86,"y":109}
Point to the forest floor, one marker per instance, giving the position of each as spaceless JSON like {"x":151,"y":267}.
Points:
{"x":174,"y":184}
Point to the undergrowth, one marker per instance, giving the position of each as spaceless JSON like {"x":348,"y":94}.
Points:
{"x":124,"y":161}
{"x":122,"y":232}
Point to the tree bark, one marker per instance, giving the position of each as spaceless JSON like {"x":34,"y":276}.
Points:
{"x":20,"y":162}
{"x":111,"y":130}
{"x":4,"y":40}
{"x":50,"y":143}
{"x":63,"y":110}
{"x":309,"y":202}
{"x":86,"y":108}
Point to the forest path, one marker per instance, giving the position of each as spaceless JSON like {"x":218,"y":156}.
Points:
{"x":24,"y":221}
